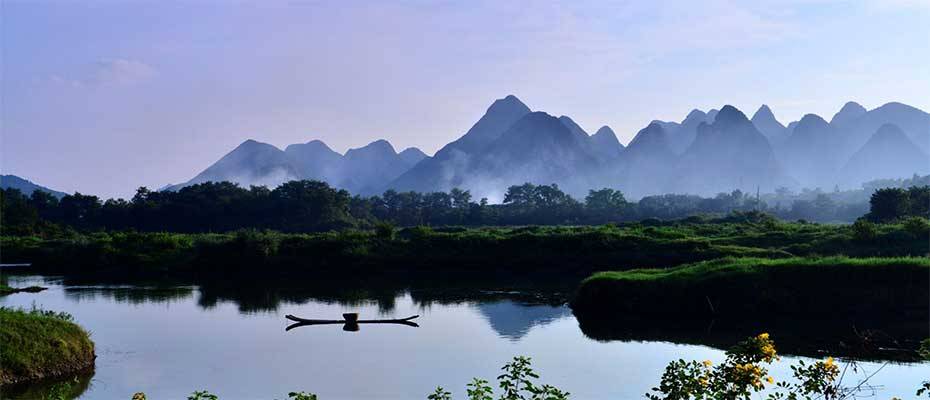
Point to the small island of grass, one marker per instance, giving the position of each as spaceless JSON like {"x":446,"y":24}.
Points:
{"x":5,"y":289}
{"x":40,"y":345}
{"x":743,"y":287}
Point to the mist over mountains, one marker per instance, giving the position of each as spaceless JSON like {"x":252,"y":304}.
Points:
{"x":704,"y":154}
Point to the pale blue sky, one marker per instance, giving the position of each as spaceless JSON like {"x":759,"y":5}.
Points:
{"x":105,"y":96}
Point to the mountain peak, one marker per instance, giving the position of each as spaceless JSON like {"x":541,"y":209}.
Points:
{"x":498,"y":118}
{"x":765,"y":122}
{"x":605,"y":141}
{"x":730,"y":112}
{"x":313,"y":144}
{"x":605,"y":130}
{"x":850,"y":111}
{"x":888,"y":153}
{"x":413,"y":151}
{"x":809,"y":119}
{"x":696,"y":116}
{"x":651,"y":136}
{"x":763,"y":112}
{"x":852,"y":106}
{"x":730,"y":116}
{"x":509,"y":104}
{"x":252,"y":145}
{"x":896,"y":106}
{"x":379,"y":146}
{"x":412,"y":155}
{"x":765,"y":116}
{"x":887,"y":131}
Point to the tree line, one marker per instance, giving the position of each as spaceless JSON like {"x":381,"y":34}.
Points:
{"x":307,"y":206}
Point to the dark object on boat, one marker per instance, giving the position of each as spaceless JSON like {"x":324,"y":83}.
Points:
{"x":350,"y":321}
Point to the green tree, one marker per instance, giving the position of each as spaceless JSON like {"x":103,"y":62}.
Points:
{"x":888,"y":204}
{"x":605,"y":205}
{"x":17,"y":216}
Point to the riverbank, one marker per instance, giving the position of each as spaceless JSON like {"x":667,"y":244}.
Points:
{"x":480,"y":250}
{"x":40,"y":345}
{"x":833,"y":287}
{"x":5,"y":290}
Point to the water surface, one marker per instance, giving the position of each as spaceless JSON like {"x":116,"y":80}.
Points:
{"x":169,"y":341}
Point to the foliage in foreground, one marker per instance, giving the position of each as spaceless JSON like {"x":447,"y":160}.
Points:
{"x":744,"y":373}
{"x":741,"y":375}
{"x":516,"y":383}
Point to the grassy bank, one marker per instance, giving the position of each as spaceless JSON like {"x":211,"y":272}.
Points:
{"x":749,"y":287}
{"x":5,"y":289}
{"x":40,"y":345}
{"x":562,"y":249}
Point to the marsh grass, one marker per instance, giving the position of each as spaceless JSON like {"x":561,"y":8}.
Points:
{"x":730,"y":266}
{"x":838,"y":286}
{"x":538,"y":248}
{"x":40,"y":344}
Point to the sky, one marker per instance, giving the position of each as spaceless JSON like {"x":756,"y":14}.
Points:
{"x":102,"y":97}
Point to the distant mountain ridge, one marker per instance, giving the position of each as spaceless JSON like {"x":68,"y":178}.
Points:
{"x":26,"y":186}
{"x":706,"y":153}
{"x":728,"y":153}
{"x":768,"y":125}
{"x":889,"y":152}
{"x":362,"y":170}
{"x":447,"y":168}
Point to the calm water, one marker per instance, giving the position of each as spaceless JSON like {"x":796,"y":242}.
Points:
{"x":168,"y":342}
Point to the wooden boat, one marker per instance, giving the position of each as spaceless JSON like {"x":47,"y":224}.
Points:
{"x":350,"y":321}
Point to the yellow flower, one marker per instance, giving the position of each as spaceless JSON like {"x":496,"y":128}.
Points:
{"x":703,"y":381}
{"x":770,"y":380}
{"x":829,"y":361}
{"x":763,"y":336}
{"x":707,"y":363}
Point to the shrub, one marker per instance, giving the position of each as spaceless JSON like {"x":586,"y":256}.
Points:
{"x":516,"y":383}
{"x":420,"y":232}
{"x":864,"y":230}
{"x":744,"y":372}
{"x":385,"y":230}
{"x":916,"y":225}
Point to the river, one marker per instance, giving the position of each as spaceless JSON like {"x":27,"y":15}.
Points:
{"x":168,"y":341}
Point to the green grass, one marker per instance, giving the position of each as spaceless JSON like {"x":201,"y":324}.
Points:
{"x":728,"y":267}
{"x":742,"y":287}
{"x":41,"y":344}
{"x":5,"y":290}
{"x":577,"y":249}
